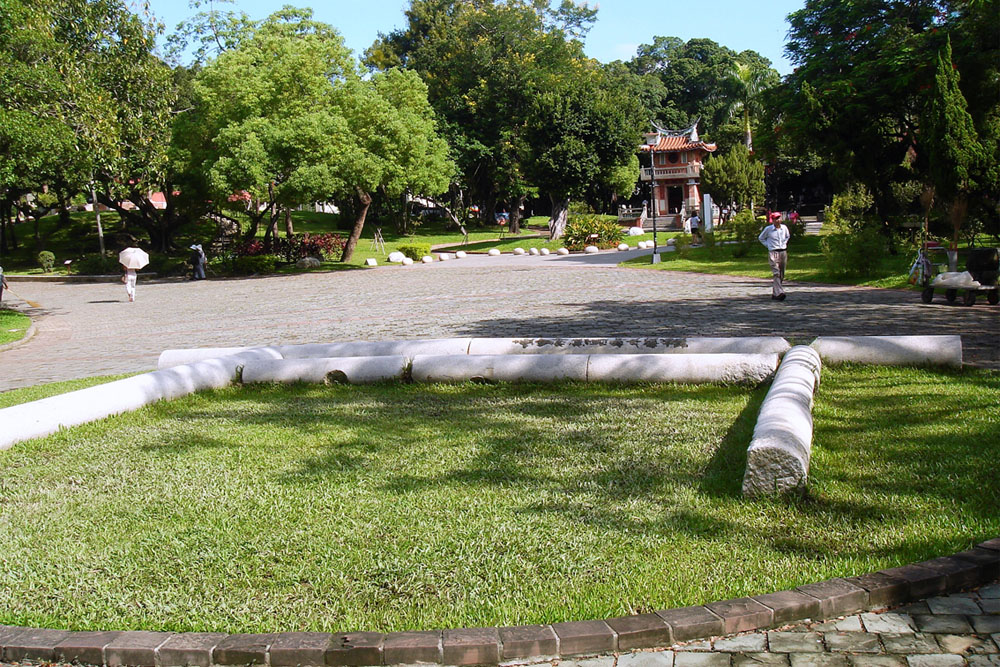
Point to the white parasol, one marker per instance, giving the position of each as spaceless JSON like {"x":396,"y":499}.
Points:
{"x":133,"y":258}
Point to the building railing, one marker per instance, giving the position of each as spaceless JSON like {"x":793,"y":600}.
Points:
{"x":663,"y":173}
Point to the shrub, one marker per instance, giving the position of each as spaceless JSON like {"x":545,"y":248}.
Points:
{"x":255,"y":264}
{"x":850,"y":209}
{"x":46,"y":260}
{"x":167,"y":266}
{"x":251,"y":249}
{"x":415,"y":251}
{"x":854,"y":253}
{"x":579,"y":227}
{"x":745,"y":228}
{"x":94,"y":265}
{"x":322,"y":246}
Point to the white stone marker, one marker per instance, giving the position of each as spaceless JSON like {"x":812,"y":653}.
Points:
{"x":545,"y":251}
{"x":494,"y":252}
{"x":427,"y":259}
{"x":778,"y":456}
{"x":350,"y":370}
{"x":532,"y":251}
{"x":444,"y":256}
{"x":370,"y":261}
{"x":395,"y":257}
{"x":48,"y":415}
{"x":623,"y":246}
{"x":891,"y":350}
{"x":636,"y":231}
{"x":518,"y":251}
{"x":499,"y":368}
{"x":407,"y":261}
{"x":460,"y":254}
{"x":562,"y":251}
{"x":591,"y":249}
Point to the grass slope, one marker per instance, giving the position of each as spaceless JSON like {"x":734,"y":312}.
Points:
{"x":806,"y":263}
{"x":13,"y":325}
{"x":413,"y":507}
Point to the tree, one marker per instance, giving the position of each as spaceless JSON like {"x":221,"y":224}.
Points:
{"x":578,"y":134}
{"x":81,"y":97}
{"x":948,"y":136}
{"x":734,"y":179}
{"x":747,"y":80}
{"x":484,"y":63}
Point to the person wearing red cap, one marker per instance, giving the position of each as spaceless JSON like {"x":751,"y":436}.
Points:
{"x":775,"y":238}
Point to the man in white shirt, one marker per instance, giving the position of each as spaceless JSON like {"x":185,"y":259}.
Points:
{"x":775,"y":239}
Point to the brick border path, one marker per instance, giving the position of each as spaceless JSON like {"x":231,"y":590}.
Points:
{"x":89,"y":329}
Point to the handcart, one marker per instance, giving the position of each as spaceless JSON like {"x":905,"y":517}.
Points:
{"x":982,"y":264}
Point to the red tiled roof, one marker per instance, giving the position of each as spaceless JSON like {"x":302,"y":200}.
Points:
{"x":667,"y":143}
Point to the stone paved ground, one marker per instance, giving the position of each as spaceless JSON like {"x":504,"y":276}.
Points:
{"x":90,"y":329}
{"x":960,"y":629}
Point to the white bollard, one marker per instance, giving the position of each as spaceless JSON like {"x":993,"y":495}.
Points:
{"x":591,"y":249}
{"x":499,"y":368}
{"x":460,"y":254}
{"x":349,"y":370}
{"x":544,"y":251}
{"x":562,"y":251}
{"x":494,"y":252}
{"x":778,"y":456}
{"x":427,"y":259}
{"x":943,"y":350}
{"x":533,"y":251}
{"x":623,"y":246}
{"x":518,"y":251}
{"x":407,"y":261}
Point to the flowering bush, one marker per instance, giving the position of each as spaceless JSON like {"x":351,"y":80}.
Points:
{"x":580,"y":227}
{"x":321,"y":246}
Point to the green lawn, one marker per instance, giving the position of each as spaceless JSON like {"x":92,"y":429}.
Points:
{"x":806,"y":263}
{"x":13,"y":325}
{"x":397,"y":507}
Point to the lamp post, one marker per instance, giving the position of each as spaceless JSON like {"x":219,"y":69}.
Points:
{"x":652,"y":195}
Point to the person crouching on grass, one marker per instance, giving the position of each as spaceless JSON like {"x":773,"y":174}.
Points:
{"x":775,"y":238}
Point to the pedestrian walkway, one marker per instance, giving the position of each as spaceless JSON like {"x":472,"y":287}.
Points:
{"x":959,"y":629}
{"x":90,"y":329}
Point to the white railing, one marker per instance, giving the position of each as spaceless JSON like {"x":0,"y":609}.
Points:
{"x":663,"y":173}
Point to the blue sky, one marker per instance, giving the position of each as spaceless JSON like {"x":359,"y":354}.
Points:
{"x":621,"y":24}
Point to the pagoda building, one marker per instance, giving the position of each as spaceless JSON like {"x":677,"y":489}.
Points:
{"x":671,"y":160}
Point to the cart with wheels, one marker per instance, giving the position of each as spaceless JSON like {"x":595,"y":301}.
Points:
{"x":983,"y":265}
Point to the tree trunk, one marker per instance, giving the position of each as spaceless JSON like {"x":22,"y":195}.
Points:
{"x":289,"y":229}
{"x":363,"y":201}
{"x":97,"y":216}
{"x":515,"y":213}
{"x":746,"y":129}
{"x":560,"y":215}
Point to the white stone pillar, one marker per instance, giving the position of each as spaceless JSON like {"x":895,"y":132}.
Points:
{"x":778,"y":456}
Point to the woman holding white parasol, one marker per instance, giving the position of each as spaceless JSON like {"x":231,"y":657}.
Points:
{"x":132,"y":259}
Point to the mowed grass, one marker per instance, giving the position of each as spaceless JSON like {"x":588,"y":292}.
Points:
{"x":13,"y":325}
{"x":397,"y":507}
{"x":806,"y":263}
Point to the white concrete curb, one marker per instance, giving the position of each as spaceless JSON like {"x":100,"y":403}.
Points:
{"x":351,"y":370}
{"x":891,"y":350}
{"x":406,"y":348}
{"x":682,"y":368}
{"x":48,"y":415}
{"x":750,"y":345}
{"x":499,"y":368}
{"x":171,"y":358}
{"x":778,"y":456}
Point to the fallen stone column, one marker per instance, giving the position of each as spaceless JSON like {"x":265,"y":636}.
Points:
{"x":406,"y":348}
{"x":48,"y":415}
{"x":499,"y":368}
{"x":683,"y":368}
{"x":891,"y":350}
{"x":171,"y":358}
{"x":748,"y":345}
{"x":778,"y":456}
{"x":350,"y":370}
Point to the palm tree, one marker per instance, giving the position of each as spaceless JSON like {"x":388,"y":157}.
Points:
{"x":747,"y":82}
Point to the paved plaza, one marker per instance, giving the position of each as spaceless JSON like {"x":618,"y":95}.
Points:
{"x":89,"y":328}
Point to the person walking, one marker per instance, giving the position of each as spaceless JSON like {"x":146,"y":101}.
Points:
{"x":775,"y":238}
{"x":695,"y":223}
{"x":198,"y":261}
{"x":129,"y":279}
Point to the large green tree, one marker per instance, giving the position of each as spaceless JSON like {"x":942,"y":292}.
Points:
{"x":864,"y":72}
{"x":484,"y":63}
